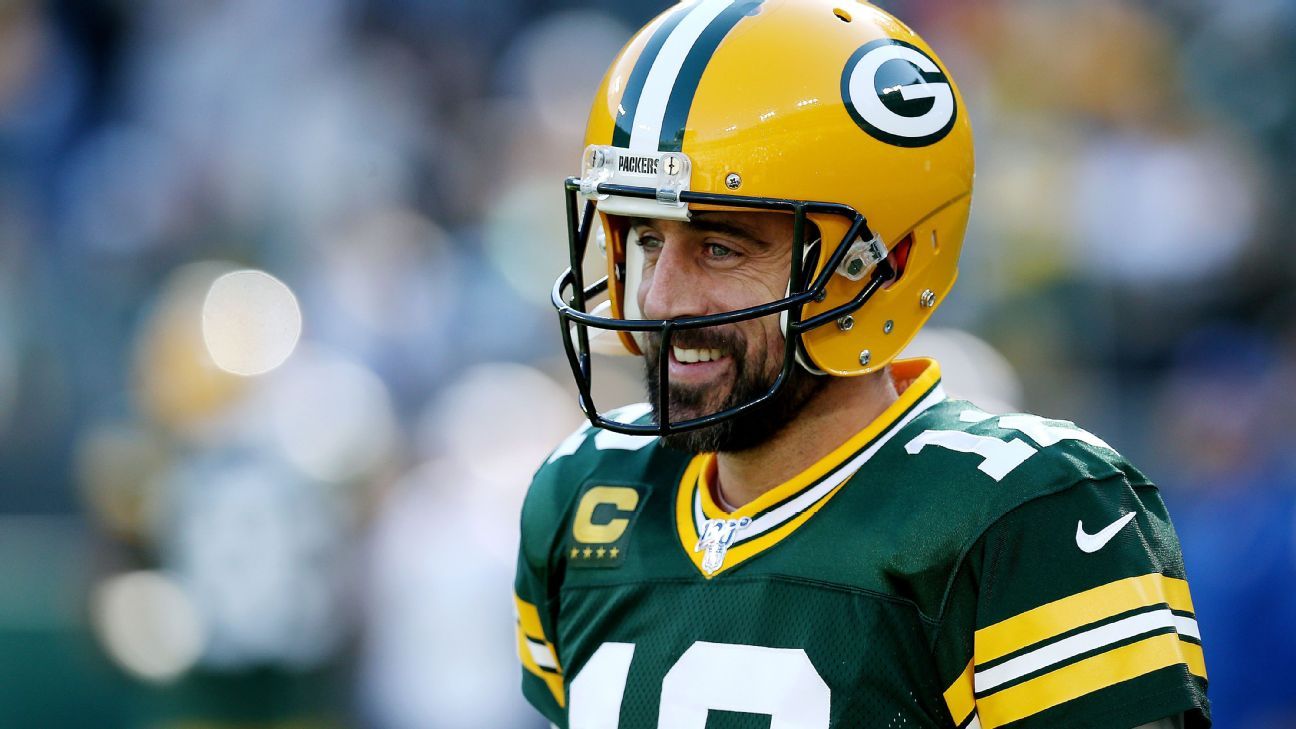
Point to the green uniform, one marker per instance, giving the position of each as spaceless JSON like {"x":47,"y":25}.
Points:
{"x":943,"y":568}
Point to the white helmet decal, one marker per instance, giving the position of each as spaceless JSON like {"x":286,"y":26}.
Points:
{"x":897,"y":93}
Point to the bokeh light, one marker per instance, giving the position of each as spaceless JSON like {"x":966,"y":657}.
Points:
{"x":495,"y":403}
{"x":331,"y":416}
{"x":149,"y":624}
{"x":176,"y":382}
{"x":250,"y":322}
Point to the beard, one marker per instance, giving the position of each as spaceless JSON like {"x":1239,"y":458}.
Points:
{"x":752,"y":378}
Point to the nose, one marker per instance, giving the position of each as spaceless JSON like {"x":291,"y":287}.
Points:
{"x":673,"y":285}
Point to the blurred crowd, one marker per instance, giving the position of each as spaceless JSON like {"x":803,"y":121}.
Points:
{"x":325,"y":537}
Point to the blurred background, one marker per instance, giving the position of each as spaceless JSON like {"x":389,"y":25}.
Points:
{"x":365,"y":196}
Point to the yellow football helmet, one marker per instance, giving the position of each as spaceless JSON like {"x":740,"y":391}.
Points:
{"x":832,"y":111}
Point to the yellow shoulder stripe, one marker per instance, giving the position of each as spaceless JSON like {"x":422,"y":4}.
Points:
{"x":530,"y":640}
{"x":1078,"y":610}
{"x":1083,"y":677}
{"x":958,"y":697}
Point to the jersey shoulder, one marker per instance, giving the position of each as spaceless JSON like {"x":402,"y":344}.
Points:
{"x":590,"y":456}
{"x":971,"y":459}
{"x":1066,"y":571}
{"x":955,"y":471}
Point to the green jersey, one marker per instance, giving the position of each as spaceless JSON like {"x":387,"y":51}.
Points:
{"x":942,"y":568}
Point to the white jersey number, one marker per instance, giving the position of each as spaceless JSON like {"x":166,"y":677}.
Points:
{"x":780,"y":683}
{"x":1000,"y":457}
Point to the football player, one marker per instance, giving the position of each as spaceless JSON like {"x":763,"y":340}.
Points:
{"x":797,"y":531}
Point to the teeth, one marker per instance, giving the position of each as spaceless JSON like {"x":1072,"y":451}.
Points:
{"x":697,"y":355}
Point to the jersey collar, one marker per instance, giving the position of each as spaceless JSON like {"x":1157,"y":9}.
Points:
{"x":778,"y":512}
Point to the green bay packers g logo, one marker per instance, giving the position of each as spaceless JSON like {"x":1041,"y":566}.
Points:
{"x":601,"y":524}
{"x":897,"y":93}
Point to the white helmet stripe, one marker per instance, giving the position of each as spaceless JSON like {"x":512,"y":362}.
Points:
{"x":645,"y":135}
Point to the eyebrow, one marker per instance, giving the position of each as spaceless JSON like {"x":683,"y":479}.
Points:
{"x":706,"y":223}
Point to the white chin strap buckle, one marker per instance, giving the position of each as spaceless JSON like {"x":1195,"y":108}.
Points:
{"x":862,"y":257}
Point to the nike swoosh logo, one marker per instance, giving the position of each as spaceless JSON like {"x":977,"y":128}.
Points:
{"x":1091,"y":543}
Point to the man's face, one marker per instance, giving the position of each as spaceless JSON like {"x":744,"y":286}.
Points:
{"x":719,"y":262}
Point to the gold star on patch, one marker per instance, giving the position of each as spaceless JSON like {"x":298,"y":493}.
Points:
{"x":601,"y":551}
{"x":575,"y":553}
{"x":588,"y":552}
{"x":614,"y":552}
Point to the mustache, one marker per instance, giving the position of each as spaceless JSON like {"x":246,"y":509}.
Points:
{"x":725,"y":340}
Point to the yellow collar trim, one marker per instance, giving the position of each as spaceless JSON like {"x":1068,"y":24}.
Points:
{"x":915,"y":378}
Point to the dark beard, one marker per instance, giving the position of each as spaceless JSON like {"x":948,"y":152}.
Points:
{"x":751,"y":380}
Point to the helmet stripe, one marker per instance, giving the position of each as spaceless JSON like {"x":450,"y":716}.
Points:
{"x":665,"y":70}
{"x":675,"y":116}
{"x":639,"y":74}
{"x":687,"y":42}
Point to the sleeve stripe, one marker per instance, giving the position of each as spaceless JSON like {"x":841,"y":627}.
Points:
{"x":958,"y":697}
{"x":1075,"y":645}
{"x":529,"y":619}
{"x":1187,"y":627}
{"x":535,"y":651}
{"x":1177,"y":596}
{"x":541,"y":654}
{"x":1193,"y":655}
{"x":1080,"y":678}
{"x":1079,"y":610}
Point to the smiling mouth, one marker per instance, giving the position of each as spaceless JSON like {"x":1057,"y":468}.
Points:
{"x":691,"y":356}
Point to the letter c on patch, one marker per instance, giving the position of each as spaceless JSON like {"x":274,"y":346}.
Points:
{"x":624,"y":499}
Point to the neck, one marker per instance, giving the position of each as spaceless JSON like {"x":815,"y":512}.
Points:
{"x":838,"y":411}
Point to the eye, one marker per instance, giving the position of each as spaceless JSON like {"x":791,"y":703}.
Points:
{"x":717,"y":250}
{"x":648,"y":241}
